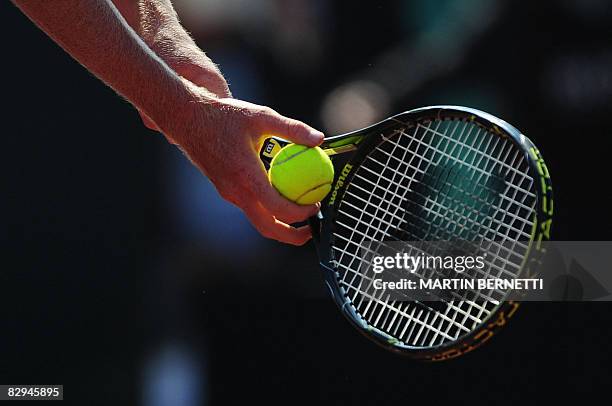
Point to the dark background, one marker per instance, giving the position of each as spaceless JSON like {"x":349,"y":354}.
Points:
{"x":126,"y":279}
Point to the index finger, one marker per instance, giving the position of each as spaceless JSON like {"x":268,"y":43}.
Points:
{"x":270,"y":227}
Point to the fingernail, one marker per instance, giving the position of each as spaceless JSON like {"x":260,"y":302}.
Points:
{"x":317,"y":136}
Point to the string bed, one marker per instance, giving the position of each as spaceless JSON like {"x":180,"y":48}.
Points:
{"x":442,"y":180}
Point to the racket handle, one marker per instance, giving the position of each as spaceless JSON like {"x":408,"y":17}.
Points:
{"x":315,"y":226}
{"x":269,"y":149}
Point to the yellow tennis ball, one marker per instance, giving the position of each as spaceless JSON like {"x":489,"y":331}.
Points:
{"x":302,"y":174}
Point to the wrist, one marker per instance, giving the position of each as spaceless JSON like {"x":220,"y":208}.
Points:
{"x":184,"y":111}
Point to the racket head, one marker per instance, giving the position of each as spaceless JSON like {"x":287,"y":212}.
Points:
{"x":416,"y":140}
{"x":429,"y":146}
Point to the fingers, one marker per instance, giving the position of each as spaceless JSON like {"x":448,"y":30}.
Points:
{"x":270,"y":227}
{"x":266,"y":221}
{"x":271,"y":200}
{"x":289,"y":129}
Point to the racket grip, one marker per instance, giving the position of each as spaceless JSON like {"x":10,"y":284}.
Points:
{"x":269,"y":149}
{"x":315,"y":226}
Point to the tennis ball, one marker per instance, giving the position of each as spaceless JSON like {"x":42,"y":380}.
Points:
{"x":302,"y":174}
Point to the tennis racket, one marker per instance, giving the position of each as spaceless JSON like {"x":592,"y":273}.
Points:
{"x":442,"y":173}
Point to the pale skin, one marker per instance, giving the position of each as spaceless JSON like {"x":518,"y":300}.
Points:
{"x":139,"y":48}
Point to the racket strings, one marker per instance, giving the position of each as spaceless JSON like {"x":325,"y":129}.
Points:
{"x":427,"y":316}
{"x":442,"y":180}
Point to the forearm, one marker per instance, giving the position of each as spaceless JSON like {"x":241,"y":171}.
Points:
{"x":157,"y":23}
{"x":93,"y":32}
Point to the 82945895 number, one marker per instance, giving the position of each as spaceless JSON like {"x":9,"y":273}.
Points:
{"x":34,"y":392}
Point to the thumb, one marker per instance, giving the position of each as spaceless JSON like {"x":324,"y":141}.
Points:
{"x":291,"y":130}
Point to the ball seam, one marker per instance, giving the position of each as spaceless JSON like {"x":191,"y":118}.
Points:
{"x":276,"y":163}
{"x":310,"y":190}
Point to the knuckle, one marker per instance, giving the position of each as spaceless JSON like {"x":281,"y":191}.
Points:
{"x":296,"y":240}
{"x":268,"y":111}
{"x":262,"y":113}
{"x":267,"y":233}
{"x":299,"y":242}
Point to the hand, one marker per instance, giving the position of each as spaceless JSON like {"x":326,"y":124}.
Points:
{"x":222,"y":137}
